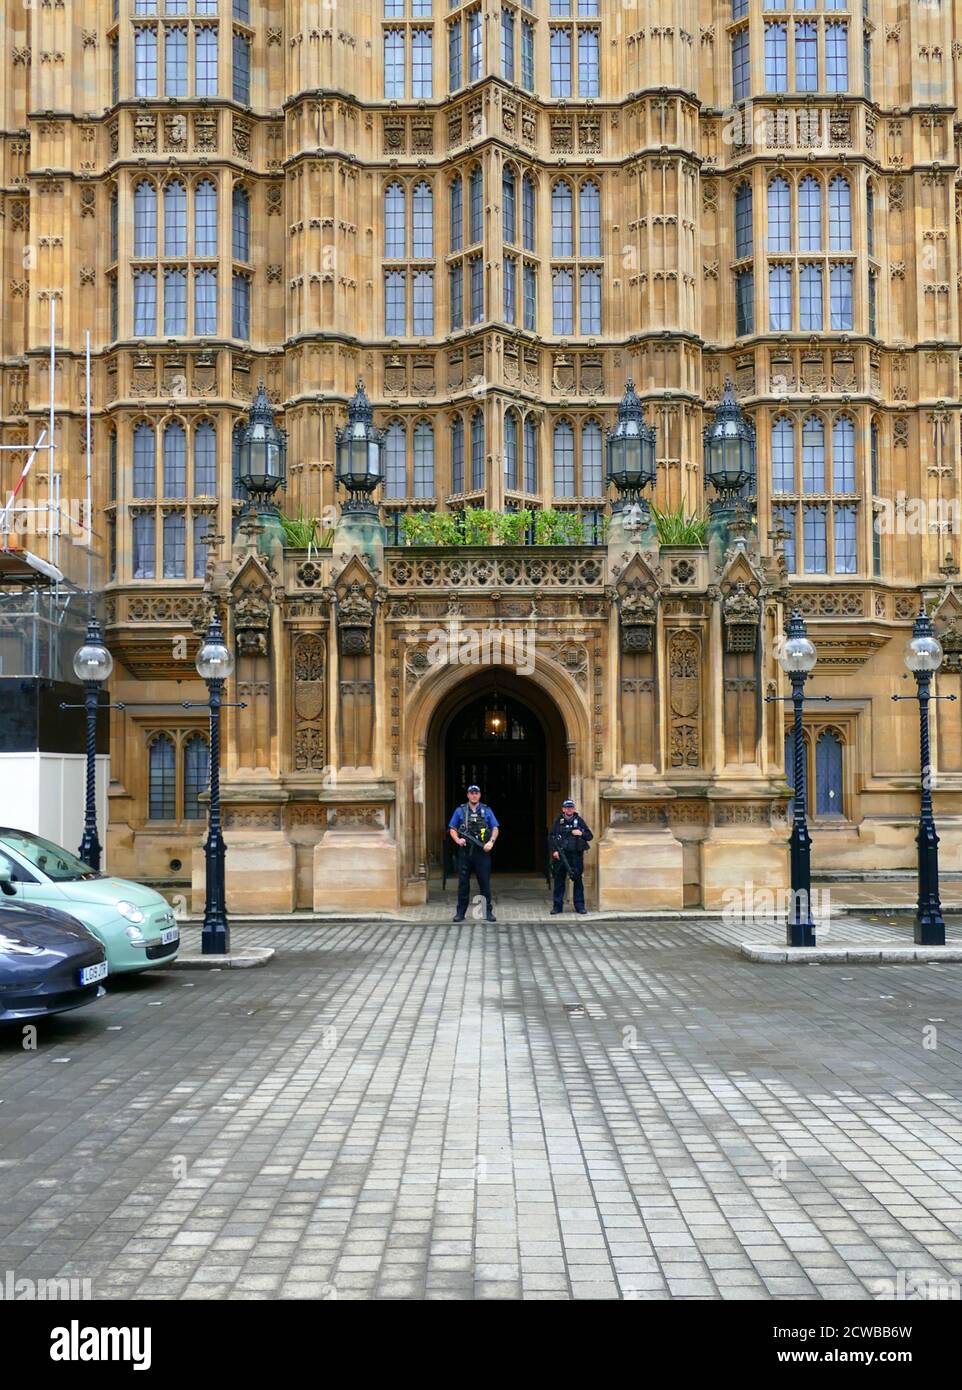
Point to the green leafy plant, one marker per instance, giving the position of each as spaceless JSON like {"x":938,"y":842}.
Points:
{"x":479,"y":525}
{"x":300,"y":531}
{"x":417,"y":528}
{"x":511,"y":528}
{"x":555,"y":527}
{"x":675,"y":528}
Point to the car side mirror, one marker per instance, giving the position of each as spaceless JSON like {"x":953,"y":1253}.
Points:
{"x":6,"y":878}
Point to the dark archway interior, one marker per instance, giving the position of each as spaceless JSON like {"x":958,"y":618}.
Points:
{"x":505,"y":733}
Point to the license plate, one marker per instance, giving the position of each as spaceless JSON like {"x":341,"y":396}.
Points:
{"x":90,"y":974}
{"x":170,"y":937}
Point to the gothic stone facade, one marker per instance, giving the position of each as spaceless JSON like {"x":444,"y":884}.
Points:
{"x":495,"y":213}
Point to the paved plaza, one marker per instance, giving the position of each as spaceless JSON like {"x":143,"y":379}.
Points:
{"x":408,"y":1111}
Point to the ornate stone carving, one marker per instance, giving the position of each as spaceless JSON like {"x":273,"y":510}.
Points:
{"x":252,"y":620}
{"x":684,"y":680}
{"x":741,"y":611}
{"x":355,"y":613}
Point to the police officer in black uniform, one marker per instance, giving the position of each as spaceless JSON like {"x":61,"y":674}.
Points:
{"x":474,"y":829}
{"x":568,"y":839}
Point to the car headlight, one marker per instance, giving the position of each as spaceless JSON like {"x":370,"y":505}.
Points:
{"x":130,"y":911}
{"x":134,"y":935}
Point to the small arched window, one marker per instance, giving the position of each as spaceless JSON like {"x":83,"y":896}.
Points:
{"x":530,"y":454}
{"x":783,"y":455}
{"x":843,"y":454}
{"x":423,"y":460}
{"x":477,"y":451}
{"x":196,"y":775}
{"x":205,"y":461}
{"x":238,"y":490}
{"x":145,"y":466}
{"x":779,"y":216}
{"x":511,"y":450}
{"x":562,"y":224}
{"x":810,"y":214}
{"x":870,"y":219}
{"x":395,"y":460}
{"x":422,"y":211}
{"x":175,"y":460}
{"x":175,"y":219}
{"x":457,"y":455}
{"x":457,"y":213}
{"x":589,"y":220}
{"x":743,"y":220}
{"x":813,"y":455}
{"x":241,"y":224}
{"x":162,"y":789}
{"x":509,"y":209}
{"x":839,"y":214}
{"x":476,"y":205}
{"x":563,"y":460}
{"x":527,"y":212}
{"x":591,"y":473}
{"x":145,"y":219}
{"x":395,"y":235}
{"x":205,"y":219}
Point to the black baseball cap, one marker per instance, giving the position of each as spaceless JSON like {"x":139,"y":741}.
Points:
{"x":569,"y":802}
{"x":474,"y":787}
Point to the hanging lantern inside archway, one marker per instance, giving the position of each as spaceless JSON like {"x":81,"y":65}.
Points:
{"x":495,"y":718}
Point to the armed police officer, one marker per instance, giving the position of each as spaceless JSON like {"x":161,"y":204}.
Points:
{"x":568,"y":839}
{"x":474,"y":829}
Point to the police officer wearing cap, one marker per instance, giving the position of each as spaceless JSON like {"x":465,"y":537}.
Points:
{"x":474,"y":829}
{"x":568,"y":839}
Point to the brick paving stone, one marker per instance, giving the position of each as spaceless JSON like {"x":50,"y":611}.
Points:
{"x":771,"y":1132}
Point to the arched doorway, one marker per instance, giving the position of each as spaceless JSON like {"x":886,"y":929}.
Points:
{"x":506,"y":734}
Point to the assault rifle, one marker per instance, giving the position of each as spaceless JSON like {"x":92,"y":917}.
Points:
{"x":559,"y":846}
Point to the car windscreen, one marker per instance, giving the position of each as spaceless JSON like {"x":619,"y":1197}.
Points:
{"x":57,"y":864}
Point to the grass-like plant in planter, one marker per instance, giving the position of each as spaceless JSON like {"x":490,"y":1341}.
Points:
{"x":675,"y":528}
{"x":301,"y":532}
{"x":478,"y":526}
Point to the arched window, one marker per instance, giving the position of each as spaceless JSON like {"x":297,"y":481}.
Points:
{"x":241,"y":224}
{"x":162,"y":791}
{"x":783,"y":455}
{"x":395,"y":303}
{"x":810,"y":214}
{"x":205,"y":302}
{"x":511,"y":450}
{"x":476,"y":205}
{"x":175,"y":302}
{"x":205,"y":220}
{"x":175,"y":545}
{"x":205,"y":461}
{"x":563,"y":460}
{"x":743,"y":220}
{"x":589,"y":220}
{"x":779,"y":216}
{"x":175,"y":460}
{"x":395,"y":236}
{"x":591,"y":475}
{"x":477,"y":451}
{"x":395,"y":461}
{"x":828,"y":774}
{"x":423,"y":220}
{"x":196,"y":776}
{"x":843,"y":454}
{"x":562,"y":302}
{"x":145,"y":466}
{"x":813,"y":455}
{"x":870,"y":219}
{"x":562,"y":227}
{"x":457,"y":455}
{"x":509,"y":205}
{"x":145,"y":219}
{"x":175,"y":60}
{"x":423,"y":460}
{"x":530,"y":454}
{"x":839,"y":214}
{"x":457,"y":213}
{"x":527,"y":212}
{"x":175,"y":219}
{"x":238,"y":491}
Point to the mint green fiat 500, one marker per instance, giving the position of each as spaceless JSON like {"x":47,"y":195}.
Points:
{"x":135,"y":924}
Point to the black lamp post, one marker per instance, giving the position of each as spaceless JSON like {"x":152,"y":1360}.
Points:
{"x":262,"y":453}
{"x":797,"y":658}
{"x":923,"y":657}
{"x":630,"y":447}
{"x":92,"y":666}
{"x":215,"y":662}
{"x":359,"y":447}
{"x":729,"y":443}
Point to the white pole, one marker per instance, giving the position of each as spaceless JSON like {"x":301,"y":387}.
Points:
{"x":53,"y":490}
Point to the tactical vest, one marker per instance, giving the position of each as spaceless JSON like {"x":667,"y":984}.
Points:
{"x":568,"y":840}
{"x":475,"y":822}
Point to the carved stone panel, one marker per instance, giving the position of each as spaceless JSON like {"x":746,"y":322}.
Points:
{"x":308,"y":740}
{"x":684,"y":699}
